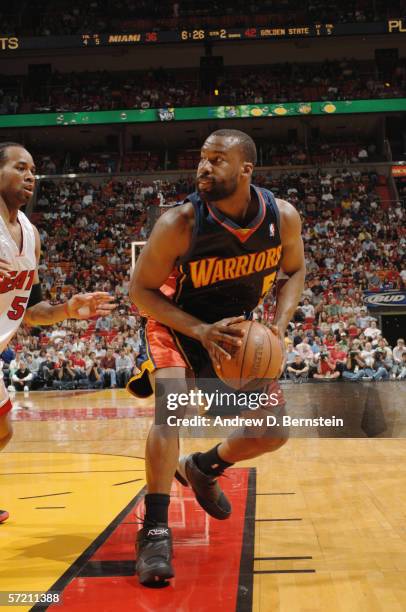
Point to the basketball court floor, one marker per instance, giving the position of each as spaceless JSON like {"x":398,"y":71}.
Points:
{"x":319,"y":525}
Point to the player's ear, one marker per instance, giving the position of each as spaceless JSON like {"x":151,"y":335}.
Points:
{"x":247,"y":169}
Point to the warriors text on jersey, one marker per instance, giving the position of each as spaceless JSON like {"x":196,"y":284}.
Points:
{"x":228,"y":269}
{"x":15,"y":291}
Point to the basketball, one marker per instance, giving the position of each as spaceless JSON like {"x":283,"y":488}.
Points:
{"x":259,"y":357}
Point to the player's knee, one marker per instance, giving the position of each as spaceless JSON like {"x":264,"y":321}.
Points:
{"x":171,"y":396}
{"x":269,"y":444}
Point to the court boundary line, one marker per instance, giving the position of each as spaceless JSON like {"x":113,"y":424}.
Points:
{"x":74,"y":569}
{"x":245,"y":583}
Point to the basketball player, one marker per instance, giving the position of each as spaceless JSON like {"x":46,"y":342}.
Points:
{"x":206,"y":266}
{"x":20,"y":289}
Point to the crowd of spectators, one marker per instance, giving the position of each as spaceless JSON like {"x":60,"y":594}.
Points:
{"x":320,"y":152}
{"x":353,"y":241}
{"x":344,"y":79}
{"x":50,"y":18}
{"x":338,"y":356}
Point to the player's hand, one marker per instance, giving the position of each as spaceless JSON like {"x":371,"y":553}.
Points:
{"x":275,"y":330}
{"x":220,"y":335}
{"x":5,"y":268}
{"x":87,"y":305}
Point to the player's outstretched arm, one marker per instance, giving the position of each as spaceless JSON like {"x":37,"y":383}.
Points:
{"x":169,"y":240}
{"x":80,"y":306}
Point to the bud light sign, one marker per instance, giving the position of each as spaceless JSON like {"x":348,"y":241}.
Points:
{"x":374,"y":299}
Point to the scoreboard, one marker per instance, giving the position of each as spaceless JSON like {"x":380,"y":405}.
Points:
{"x":197,"y":34}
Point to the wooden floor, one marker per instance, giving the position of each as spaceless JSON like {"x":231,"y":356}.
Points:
{"x":328,"y":531}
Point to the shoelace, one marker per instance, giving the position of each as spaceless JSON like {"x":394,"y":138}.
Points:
{"x":141,"y":520}
{"x":214,"y":479}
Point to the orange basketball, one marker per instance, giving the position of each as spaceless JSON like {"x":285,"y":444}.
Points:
{"x":259,"y":357}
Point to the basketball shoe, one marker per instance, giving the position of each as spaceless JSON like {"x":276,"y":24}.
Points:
{"x":154,"y":554}
{"x":206,"y":488}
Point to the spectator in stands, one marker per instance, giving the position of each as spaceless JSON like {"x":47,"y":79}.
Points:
{"x":14,"y":363}
{"x":338,"y":355}
{"x":326,"y":368}
{"x":356,"y":368}
{"x":398,"y":352}
{"x":22,"y":378}
{"x":104,"y":324}
{"x":108,"y":364}
{"x":372,"y":331}
{"x":65,"y":376}
{"x":291,"y":353}
{"x":305,"y":351}
{"x":307,"y":308}
{"x":381,"y":371}
{"x":46,"y":369}
{"x":94,"y":374}
{"x":298,"y":371}
{"x":123,"y":368}
{"x":79,"y":364}
{"x":368,"y":354}
{"x":402,"y":370}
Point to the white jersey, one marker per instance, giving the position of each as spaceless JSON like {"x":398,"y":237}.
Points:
{"x":15,"y":291}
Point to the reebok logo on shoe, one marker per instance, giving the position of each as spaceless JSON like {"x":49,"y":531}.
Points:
{"x":158,"y":532}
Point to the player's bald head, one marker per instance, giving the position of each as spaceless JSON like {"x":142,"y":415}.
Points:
{"x":236,"y":138}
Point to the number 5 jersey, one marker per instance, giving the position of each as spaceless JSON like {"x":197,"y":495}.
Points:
{"x":15,"y":291}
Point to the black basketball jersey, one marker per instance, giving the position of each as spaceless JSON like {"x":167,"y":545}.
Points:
{"x":228,"y":269}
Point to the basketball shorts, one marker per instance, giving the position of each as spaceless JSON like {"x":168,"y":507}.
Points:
{"x":165,"y":348}
{"x":5,"y":403}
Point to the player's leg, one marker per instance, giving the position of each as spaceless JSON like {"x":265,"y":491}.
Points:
{"x":164,"y":368}
{"x":162,"y":448}
{"x":200,"y":470}
{"x":6,"y":431}
{"x":154,"y":541}
{"x":250,"y":442}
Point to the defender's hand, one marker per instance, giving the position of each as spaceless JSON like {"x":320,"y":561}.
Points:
{"x":87,"y":305}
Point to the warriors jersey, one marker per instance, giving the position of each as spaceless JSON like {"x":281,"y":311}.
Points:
{"x":15,"y":291}
{"x":228,"y":269}
{"x":227,"y":272}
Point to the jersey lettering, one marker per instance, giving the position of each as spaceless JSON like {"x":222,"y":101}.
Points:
{"x":17,"y":308}
{"x":19,"y":280}
{"x":213,"y":270}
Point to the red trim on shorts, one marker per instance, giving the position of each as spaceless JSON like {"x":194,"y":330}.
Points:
{"x":162,"y":348}
{"x":5,"y":408}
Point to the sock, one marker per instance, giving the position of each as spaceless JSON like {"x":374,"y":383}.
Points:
{"x":156,"y":508}
{"x":211,"y":463}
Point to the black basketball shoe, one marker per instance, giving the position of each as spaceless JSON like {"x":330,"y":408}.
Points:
{"x":154,"y":554}
{"x":206,"y":488}
{"x":3,"y":516}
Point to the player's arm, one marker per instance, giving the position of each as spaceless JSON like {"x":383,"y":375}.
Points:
{"x":80,"y":306}
{"x":169,"y":240}
{"x":292,"y":263}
